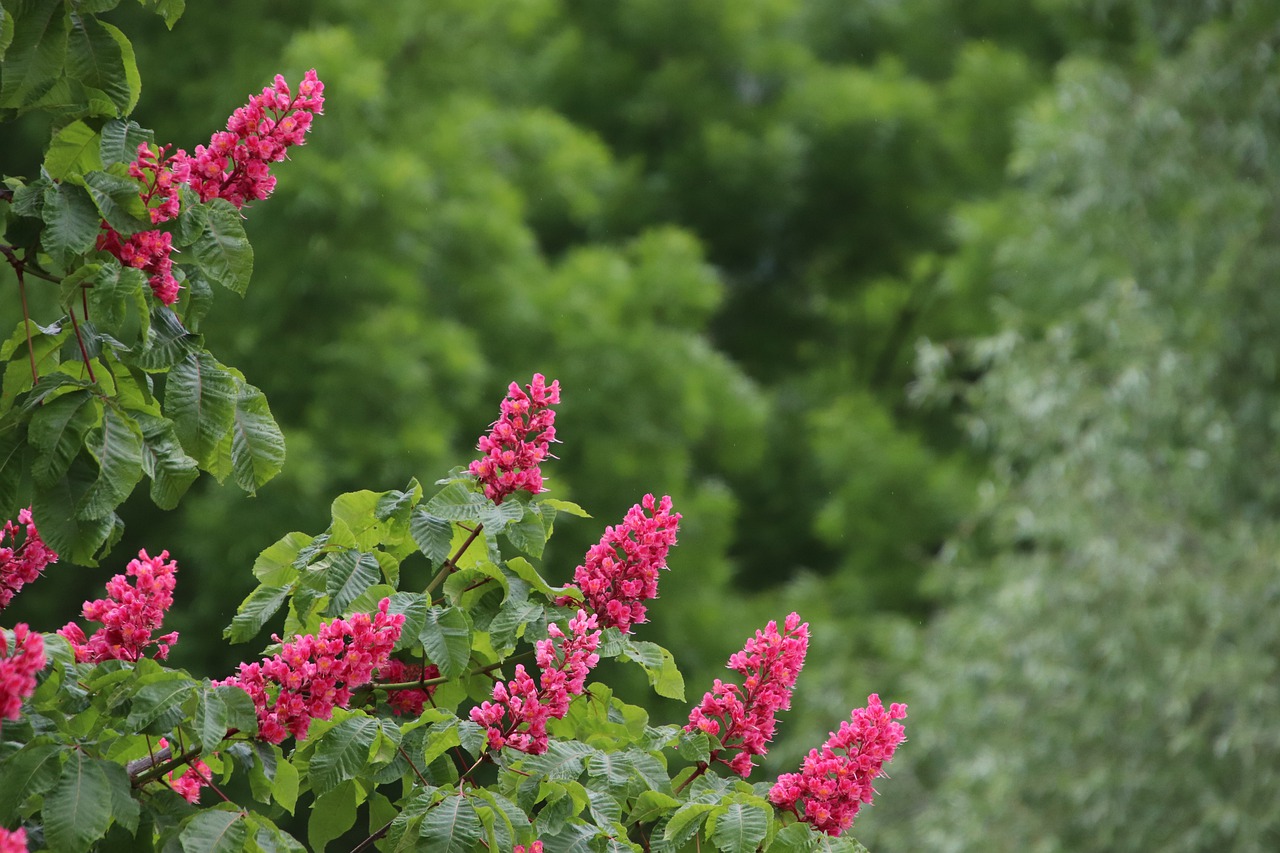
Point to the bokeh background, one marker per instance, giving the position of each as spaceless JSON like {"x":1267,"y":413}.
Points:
{"x":953,"y":326}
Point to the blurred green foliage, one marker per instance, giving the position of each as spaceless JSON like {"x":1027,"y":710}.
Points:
{"x":869,"y":288}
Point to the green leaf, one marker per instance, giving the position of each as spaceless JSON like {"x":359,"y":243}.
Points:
{"x":74,"y":148}
{"x":217,"y":830}
{"x":118,"y":302}
{"x":529,"y":533}
{"x":356,"y":512}
{"x":284,"y":790}
{"x":129,"y":63}
{"x":565,"y":506}
{"x":433,"y":535}
{"x":117,"y":201}
{"x":95,"y":59}
{"x":57,"y":433}
{"x":413,"y":605}
{"x":275,"y":565}
{"x":200,"y":397}
{"x":343,"y":753}
{"x":332,"y":815}
{"x":71,"y":220}
{"x":650,"y":806}
{"x":257,"y":445}
{"x":254,"y":611}
{"x":457,"y":502}
{"x":125,"y":810}
{"x":6,"y":32}
{"x":29,"y":773}
{"x":117,"y":446}
{"x":524,"y":570}
{"x":219,"y":244}
{"x":659,"y":665}
{"x":78,"y":810}
{"x":171,"y":470}
{"x":446,"y":636}
{"x":169,"y":10}
{"x":684,"y":824}
{"x":35,"y":56}
{"x":165,"y":341}
{"x":739,"y":828}
{"x":153,"y":702}
{"x":452,"y":825}
{"x":349,"y":573}
{"x":221,"y":709}
{"x":120,"y":141}
{"x":77,"y":540}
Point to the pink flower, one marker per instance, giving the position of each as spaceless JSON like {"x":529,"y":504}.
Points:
{"x":21,"y":562}
{"x":535,"y":847}
{"x":234,"y":165}
{"x":131,"y":614}
{"x":517,"y":716}
{"x":835,"y":781}
{"x":743,"y":716}
{"x":190,"y":781}
{"x":18,"y":668}
{"x":410,"y":700}
{"x":13,"y":842}
{"x":519,"y":441}
{"x":315,"y":673}
{"x":621,"y":571}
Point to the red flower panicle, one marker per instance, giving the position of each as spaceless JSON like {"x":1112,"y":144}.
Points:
{"x":517,"y":716}
{"x":234,"y":166}
{"x":408,"y":701}
{"x":131,"y":614}
{"x":835,"y":781}
{"x":535,"y":847}
{"x":21,"y":562}
{"x":18,"y":668}
{"x":743,"y":717}
{"x":13,"y":842}
{"x":519,"y":440}
{"x":315,"y":673}
{"x":620,"y":573}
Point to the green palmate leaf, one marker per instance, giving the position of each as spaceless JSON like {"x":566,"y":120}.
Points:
{"x":257,"y":445}
{"x":117,"y":201}
{"x":343,"y":753}
{"x":129,"y":62}
{"x":566,"y":507}
{"x":355,"y":514}
{"x":650,"y":806}
{"x":36,"y":53}
{"x":562,"y":761}
{"x":95,"y":59}
{"x":446,"y":636}
{"x":57,"y":433}
{"x":74,"y":148}
{"x":660,"y":667}
{"x":452,"y":825}
{"x":169,"y":10}
{"x":118,"y":302}
{"x":332,"y":815}
{"x":263,"y":603}
{"x":165,"y":342}
{"x":413,"y":605}
{"x":457,"y":502}
{"x":524,"y":570}
{"x":159,"y":701}
{"x":125,"y":810}
{"x":739,"y":828}
{"x":77,"y":540}
{"x":171,"y":470}
{"x":686,"y":822}
{"x":29,"y":773}
{"x":78,"y":809}
{"x":433,"y":535}
{"x":15,"y":470}
{"x":217,"y":830}
{"x":200,"y":398}
{"x":117,"y":446}
{"x":221,"y":709}
{"x":6,"y":32}
{"x":218,"y":243}
{"x":529,"y":533}
{"x":348,"y":574}
{"x":71,"y":222}
{"x":120,"y":141}
{"x":284,"y":789}
{"x":275,"y":566}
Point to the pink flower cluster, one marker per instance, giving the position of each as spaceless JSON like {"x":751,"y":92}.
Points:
{"x":517,"y":716}
{"x":13,"y":842}
{"x":519,"y":440}
{"x":315,"y":673}
{"x":535,"y":847}
{"x":234,"y":166}
{"x":743,"y":717}
{"x":835,"y":781}
{"x":189,"y":782}
{"x":621,"y":571}
{"x":130,"y":616}
{"x":18,"y":668}
{"x":21,"y":562}
{"x":408,"y":701}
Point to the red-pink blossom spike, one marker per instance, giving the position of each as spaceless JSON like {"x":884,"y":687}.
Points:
{"x":519,"y":440}
{"x":620,"y":573}
{"x":408,"y":701}
{"x":743,"y":717}
{"x":132,"y":613}
{"x":835,"y":782}
{"x":517,"y":716}
{"x":189,"y":781}
{"x":315,"y":673}
{"x":21,"y":562}
{"x":14,"y":842}
{"x":18,"y":668}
